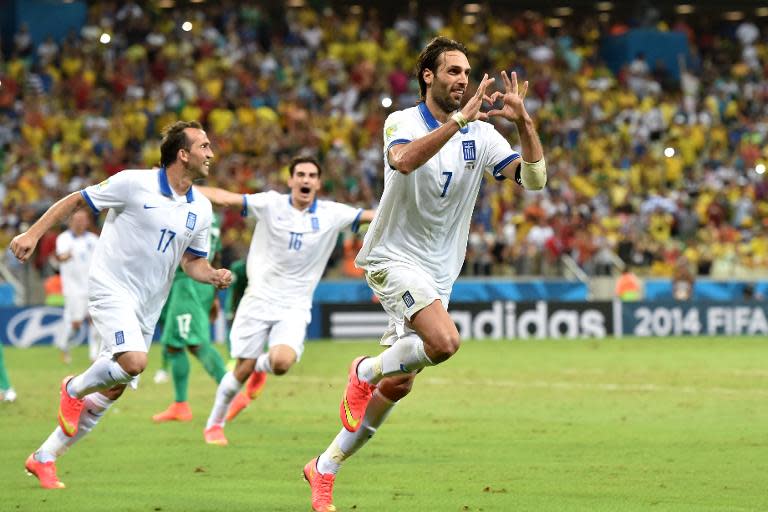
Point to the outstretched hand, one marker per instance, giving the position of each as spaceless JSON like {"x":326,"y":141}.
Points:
{"x":513,"y":107}
{"x":471,"y":110}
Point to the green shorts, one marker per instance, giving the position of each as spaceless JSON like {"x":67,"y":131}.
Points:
{"x":186,"y":314}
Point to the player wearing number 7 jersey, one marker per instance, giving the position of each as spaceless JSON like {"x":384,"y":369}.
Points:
{"x":435,"y":156}
{"x":156,"y":220}
{"x":293,"y":239}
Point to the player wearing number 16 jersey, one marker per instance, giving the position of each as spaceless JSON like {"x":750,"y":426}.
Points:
{"x":293,"y":239}
{"x":156,"y":220}
{"x":435,"y":156}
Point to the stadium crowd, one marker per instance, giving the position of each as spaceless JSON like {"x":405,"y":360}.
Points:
{"x":643,"y":168}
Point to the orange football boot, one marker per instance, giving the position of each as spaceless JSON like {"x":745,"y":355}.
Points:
{"x":356,"y":397}
{"x":322,"y":487}
{"x":45,"y":473}
{"x":69,"y":410}
{"x":177,"y":411}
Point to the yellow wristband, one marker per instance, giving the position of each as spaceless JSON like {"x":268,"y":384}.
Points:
{"x":460,"y":120}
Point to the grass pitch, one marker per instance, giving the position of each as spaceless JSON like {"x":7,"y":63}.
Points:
{"x":614,"y":425}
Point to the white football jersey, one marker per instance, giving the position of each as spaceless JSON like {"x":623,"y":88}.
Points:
{"x":146,"y":232}
{"x":74,"y":271}
{"x":423,"y":217}
{"x":289,"y":250}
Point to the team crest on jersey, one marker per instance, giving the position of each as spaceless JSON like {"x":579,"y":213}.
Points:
{"x":469,"y":149}
{"x":389,"y":131}
{"x":470,"y":154}
{"x":119,"y":338}
{"x":191,"y":219}
{"x":315,"y":224}
{"x":408,"y":299}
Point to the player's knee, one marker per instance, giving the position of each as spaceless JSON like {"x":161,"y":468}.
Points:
{"x":281,"y":366}
{"x":443,"y":346}
{"x":133,"y":363}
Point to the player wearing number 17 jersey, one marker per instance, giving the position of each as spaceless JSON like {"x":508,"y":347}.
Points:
{"x":293,"y":239}
{"x":156,"y":220}
{"x":435,"y":156}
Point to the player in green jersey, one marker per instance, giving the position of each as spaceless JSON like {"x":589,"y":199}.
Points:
{"x":188,"y":313}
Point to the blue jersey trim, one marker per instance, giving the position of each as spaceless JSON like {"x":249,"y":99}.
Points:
{"x":202,"y":254}
{"x":501,"y":165}
{"x":427,"y":116}
{"x":162,"y":180}
{"x":312,"y":207}
{"x":396,"y":142}
{"x":88,"y":200}
{"x":244,"y":211}
{"x":356,"y":223}
{"x":165,"y":187}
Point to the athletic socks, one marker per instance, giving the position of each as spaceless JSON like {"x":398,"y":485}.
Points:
{"x":5,"y":382}
{"x":102,"y":374}
{"x":406,"y":356}
{"x":228,"y":388}
{"x":95,"y":405}
{"x":212,"y":362}
{"x":179,"y":363}
{"x":263,"y":364}
{"x":347,"y":443}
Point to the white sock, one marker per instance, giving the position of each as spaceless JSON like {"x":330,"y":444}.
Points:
{"x":102,"y":374}
{"x":57,"y":443}
{"x":263,"y":364}
{"x":347,"y":443}
{"x":406,"y":356}
{"x":228,"y":388}
{"x":93,"y":343}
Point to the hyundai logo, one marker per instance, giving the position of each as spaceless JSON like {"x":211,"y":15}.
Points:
{"x":38,"y":325}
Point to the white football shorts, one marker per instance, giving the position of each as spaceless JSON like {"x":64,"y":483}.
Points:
{"x":250,"y":337}
{"x":403,"y":291}
{"x":118,"y":328}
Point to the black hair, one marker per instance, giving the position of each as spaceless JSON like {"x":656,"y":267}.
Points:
{"x":304,"y":160}
{"x":429,"y":56}
{"x":174,"y":139}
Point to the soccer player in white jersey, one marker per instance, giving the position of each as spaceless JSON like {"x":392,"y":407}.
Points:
{"x":74,"y":248}
{"x":435,"y":156}
{"x":294,"y":236}
{"x":156,"y":220}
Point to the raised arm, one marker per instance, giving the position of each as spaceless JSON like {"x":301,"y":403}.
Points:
{"x":408,"y":157}
{"x":533,"y":171}
{"x":23,"y":245}
{"x":221,"y":197}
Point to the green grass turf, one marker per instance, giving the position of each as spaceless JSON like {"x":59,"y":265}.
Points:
{"x":614,"y":425}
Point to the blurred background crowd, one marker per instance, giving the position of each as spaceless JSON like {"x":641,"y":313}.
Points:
{"x":659,"y":171}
